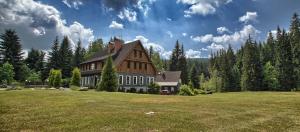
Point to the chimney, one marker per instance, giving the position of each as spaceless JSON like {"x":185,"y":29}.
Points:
{"x":115,"y":45}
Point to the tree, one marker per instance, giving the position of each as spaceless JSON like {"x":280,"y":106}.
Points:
{"x":109,"y":79}
{"x":194,"y":78}
{"x":25,"y":71}
{"x":175,"y":57}
{"x":157,"y":62}
{"x":94,"y":47}
{"x":182,"y":66}
{"x":295,"y":45}
{"x":51,"y":78}
{"x":65,"y":58}
{"x":78,"y":55}
{"x":202,"y":80}
{"x":7,"y":73}
{"x":270,"y":77}
{"x":57,"y":78}
{"x":75,"y":80}
{"x":151,"y":52}
{"x":251,"y":71}
{"x":54,"y":56}
{"x":11,"y":51}
{"x":34,"y":77}
{"x":284,"y":63}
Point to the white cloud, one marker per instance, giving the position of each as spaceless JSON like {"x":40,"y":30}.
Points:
{"x":115,"y":25}
{"x":249,"y":16}
{"x":184,"y":34}
{"x":202,"y":7}
{"x":169,"y":19}
{"x":222,"y":30}
{"x":236,"y":39}
{"x":143,"y":6}
{"x":193,"y":53}
{"x":170,"y":34}
{"x":128,"y":14}
{"x":215,"y":46}
{"x":40,"y":19}
{"x":73,"y":3}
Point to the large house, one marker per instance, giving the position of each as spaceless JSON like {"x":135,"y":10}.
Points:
{"x":132,"y":62}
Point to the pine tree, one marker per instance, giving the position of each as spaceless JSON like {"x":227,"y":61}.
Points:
{"x":109,"y":80}
{"x":182,"y":65}
{"x":78,"y":55}
{"x":270,"y":77}
{"x":295,"y":45}
{"x":175,"y":57}
{"x":65,"y":58}
{"x":11,"y":51}
{"x":53,"y":62}
{"x":35,"y":60}
{"x":194,"y":78}
{"x":284,"y":63}
{"x":251,"y":71}
{"x":269,"y":50}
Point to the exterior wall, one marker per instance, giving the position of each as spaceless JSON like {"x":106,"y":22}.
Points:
{"x":126,"y":85}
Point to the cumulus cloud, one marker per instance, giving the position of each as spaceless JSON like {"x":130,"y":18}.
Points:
{"x":202,"y":7}
{"x":73,"y":3}
{"x":170,"y":34}
{"x":193,"y":53}
{"x":249,"y":16}
{"x":128,"y":14}
{"x":236,"y":39}
{"x":222,"y":30}
{"x":184,"y":34}
{"x":115,"y":25}
{"x":32,"y":19}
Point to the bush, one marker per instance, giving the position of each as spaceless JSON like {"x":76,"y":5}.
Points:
{"x":141,"y":91}
{"x":7,"y":73}
{"x":34,"y":78}
{"x":153,"y":88}
{"x":75,"y":80}
{"x":186,"y":91}
{"x":132,"y":90}
{"x":66,"y":82}
{"x":57,"y":79}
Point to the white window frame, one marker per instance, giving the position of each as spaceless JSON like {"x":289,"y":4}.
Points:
{"x":135,"y":80}
{"x":122,"y":82}
{"x":141,"y":80}
{"x":93,"y":66}
{"x":151,"y":79}
{"x":128,"y":82}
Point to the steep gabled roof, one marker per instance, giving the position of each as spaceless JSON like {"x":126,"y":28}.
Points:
{"x":168,"y":76}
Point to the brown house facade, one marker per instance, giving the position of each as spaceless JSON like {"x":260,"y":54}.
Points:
{"x":134,"y":67}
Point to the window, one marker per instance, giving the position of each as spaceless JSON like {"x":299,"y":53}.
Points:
{"x":140,"y":65}
{"x":121,"y":79}
{"x":128,"y":64}
{"x":152,"y":80}
{"x":134,"y":65}
{"x":93,"y":66}
{"x":135,"y":53}
{"x":141,"y":80}
{"x":96,"y":65}
{"x":141,"y":54}
{"x":134,"y":80}
{"x":128,"y":79}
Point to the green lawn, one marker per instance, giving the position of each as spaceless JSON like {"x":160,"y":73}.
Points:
{"x":46,"y":110}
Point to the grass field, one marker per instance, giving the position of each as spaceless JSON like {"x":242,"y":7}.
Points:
{"x":46,"y":110}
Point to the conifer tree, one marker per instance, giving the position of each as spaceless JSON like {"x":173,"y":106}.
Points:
{"x":295,"y":45}
{"x":65,"y":58}
{"x":284,"y":62}
{"x":53,"y":62}
{"x":175,"y":57}
{"x":194,"y":78}
{"x":11,"y":51}
{"x":109,"y":80}
{"x":78,"y":55}
{"x":270,"y":77}
{"x":182,"y":65}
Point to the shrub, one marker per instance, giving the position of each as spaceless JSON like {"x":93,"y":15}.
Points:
{"x":57,"y":78}
{"x":132,"y":90}
{"x":34,"y":78}
{"x":141,"y":91}
{"x":7,"y":73}
{"x":153,"y":88}
{"x":186,"y":91}
{"x":75,"y":80}
{"x":66,"y":82}
{"x":51,"y":78}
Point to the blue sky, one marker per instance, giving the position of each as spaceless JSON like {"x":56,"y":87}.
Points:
{"x":201,"y":25}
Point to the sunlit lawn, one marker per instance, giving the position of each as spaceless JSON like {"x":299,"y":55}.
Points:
{"x":54,"y":110}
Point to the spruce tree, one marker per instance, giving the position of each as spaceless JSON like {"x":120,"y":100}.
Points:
{"x":251,"y":71}
{"x":182,"y":65}
{"x":194,"y":78}
{"x":175,"y":57}
{"x":270,"y":77}
{"x":53,"y":62}
{"x":109,"y":79}
{"x":78,"y":55}
{"x":284,"y":62}
{"x":65,"y":58}
{"x":295,"y":45}
{"x":11,"y":51}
